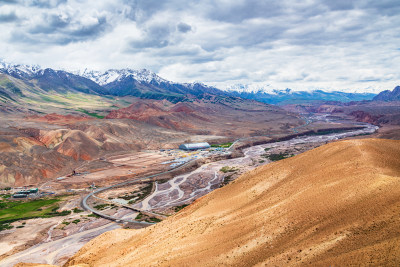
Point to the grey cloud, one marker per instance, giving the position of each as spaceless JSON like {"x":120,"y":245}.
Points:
{"x":188,"y":55}
{"x":141,"y":10}
{"x":5,"y":2}
{"x":236,"y":11}
{"x":56,"y":29}
{"x":340,"y":4}
{"x":51,"y":23}
{"x":156,"y":36}
{"x":44,"y":3}
{"x":183,"y":27}
{"x":10,"y":17}
{"x":92,"y":30}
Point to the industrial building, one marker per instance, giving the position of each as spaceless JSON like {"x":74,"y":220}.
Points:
{"x":25,"y":193}
{"x":194,"y":146}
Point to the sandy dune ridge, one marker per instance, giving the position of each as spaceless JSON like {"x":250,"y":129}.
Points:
{"x":335,"y":205}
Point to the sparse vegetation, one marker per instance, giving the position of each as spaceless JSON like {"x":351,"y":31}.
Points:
{"x":276,"y":157}
{"x":76,"y":221}
{"x":178,"y":208}
{"x":224,"y":145}
{"x":227,"y":180}
{"x":94,"y":215}
{"x":103,"y":206}
{"x":138,"y":195}
{"x":5,"y":226}
{"x":226,"y":169}
{"x":92,"y":114}
{"x":76,"y":210}
{"x":153,"y":220}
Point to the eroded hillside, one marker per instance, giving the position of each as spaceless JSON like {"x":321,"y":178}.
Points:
{"x":334,"y":205}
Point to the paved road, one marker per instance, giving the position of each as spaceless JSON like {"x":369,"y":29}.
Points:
{"x":142,"y":179}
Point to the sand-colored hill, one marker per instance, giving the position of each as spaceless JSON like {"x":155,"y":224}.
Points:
{"x":337,"y":205}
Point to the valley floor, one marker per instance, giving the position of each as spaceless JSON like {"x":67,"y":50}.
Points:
{"x":61,"y":241}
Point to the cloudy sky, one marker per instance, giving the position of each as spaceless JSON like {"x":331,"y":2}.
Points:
{"x":303,"y":45}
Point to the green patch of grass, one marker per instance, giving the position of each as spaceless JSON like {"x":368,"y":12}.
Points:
{"x":178,"y":208}
{"x":227,"y":180}
{"x":52,"y":100}
{"x":66,"y":223}
{"x":92,"y":114}
{"x":224,"y":145}
{"x":276,"y":157}
{"x":101,"y":206}
{"x":5,"y":196}
{"x":153,"y":220}
{"x":94,"y":215}
{"x":139,"y":216}
{"x":20,"y":226}
{"x":267,"y":149}
{"x":5,"y":226}
{"x":76,"y":210}
{"x":76,"y":221}
{"x":226,"y":169}
{"x":139,"y":195}
{"x":11,"y":211}
{"x":36,"y":208}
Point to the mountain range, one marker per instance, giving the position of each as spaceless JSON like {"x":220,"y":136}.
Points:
{"x":124,"y":82}
{"x":288,"y":96}
{"x":16,"y":79}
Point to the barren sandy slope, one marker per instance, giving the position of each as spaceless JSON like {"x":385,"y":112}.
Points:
{"x":336,"y":205}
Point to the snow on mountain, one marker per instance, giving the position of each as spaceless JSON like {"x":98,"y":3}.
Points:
{"x":19,"y":69}
{"x":251,"y":88}
{"x":112,"y":75}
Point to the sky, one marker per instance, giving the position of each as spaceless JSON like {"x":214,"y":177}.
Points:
{"x":343,"y":45}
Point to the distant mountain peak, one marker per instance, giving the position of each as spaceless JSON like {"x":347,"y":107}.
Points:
{"x":389,"y":95}
{"x":112,"y":75}
{"x":20,"y":69}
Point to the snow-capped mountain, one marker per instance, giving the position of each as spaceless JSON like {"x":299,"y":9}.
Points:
{"x":124,"y":82}
{"x":252,"y":88}
{"x":112,"y":75}
{"x":20,"y":69}
{"x":288,"y":96}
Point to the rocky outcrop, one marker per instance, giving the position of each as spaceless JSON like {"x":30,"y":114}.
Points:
{"x":363,"y":116}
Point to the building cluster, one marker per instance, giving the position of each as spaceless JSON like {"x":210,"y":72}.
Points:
{"x":26,"y":193}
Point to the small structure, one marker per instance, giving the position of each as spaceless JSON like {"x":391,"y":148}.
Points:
{"x":194,"y":146}
{"x":25,"y":193}
{"x":33,"y":190}
{"x":20,"y":195}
